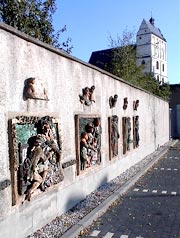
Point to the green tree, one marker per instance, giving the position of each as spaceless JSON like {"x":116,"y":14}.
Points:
{"x":34,"y":17}
{"x":149,"y":83}
{"x":123,"y":64}
{"x":123,"y":54}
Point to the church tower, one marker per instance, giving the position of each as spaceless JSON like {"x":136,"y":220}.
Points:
{"x":151,"y":50}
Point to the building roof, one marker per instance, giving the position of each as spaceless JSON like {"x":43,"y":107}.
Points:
{"x":151,"y":27}
{"x":102,"y":58}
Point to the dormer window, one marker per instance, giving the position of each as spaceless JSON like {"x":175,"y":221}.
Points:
{"x":143,"y":62}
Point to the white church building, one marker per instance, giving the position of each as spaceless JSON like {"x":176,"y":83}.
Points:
{"x":151,"y":50}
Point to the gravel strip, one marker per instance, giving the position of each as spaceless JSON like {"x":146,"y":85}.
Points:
{"x":58,"y":226}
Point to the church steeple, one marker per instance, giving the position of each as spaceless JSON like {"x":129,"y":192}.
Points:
{"x":151,"y":50}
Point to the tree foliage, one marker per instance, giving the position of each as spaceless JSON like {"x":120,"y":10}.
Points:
{"x":123,"y":65}
{"x":34,"y":17}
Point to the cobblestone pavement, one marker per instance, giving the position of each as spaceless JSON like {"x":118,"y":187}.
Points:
{"x":149,"y":209}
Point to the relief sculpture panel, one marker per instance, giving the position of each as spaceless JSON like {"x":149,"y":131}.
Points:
{"x":136,"y":138}
{"x":126,"y":133}
{"x":113,"y":136}
{"x":35,"y":156}
{"x":88,"y":141}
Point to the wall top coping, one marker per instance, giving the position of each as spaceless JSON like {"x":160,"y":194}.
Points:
{"x":48,"y":47}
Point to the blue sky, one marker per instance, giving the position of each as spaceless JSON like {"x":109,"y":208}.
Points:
{"x":90,"y":22}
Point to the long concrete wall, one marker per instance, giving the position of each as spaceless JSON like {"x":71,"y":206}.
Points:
{"x":64,"y":77}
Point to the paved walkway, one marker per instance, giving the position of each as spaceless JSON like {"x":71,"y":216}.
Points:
{"x":149,"y":209}
{"x":87,"y":221}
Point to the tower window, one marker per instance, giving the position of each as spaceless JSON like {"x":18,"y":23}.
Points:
{"x":157,"y":65}
{"x":163,"y":67}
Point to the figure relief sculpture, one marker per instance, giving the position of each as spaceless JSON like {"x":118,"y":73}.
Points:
{"x":37,"y":159}
{"x":125,"y":103}
{"x":114,"y":135}
{"x":128,"y":132}
{"x":84,"y":150}
{"x":87,"y":97}
{"x":136,"y":105}
{"x":40,"y":155}
{"x":90,"y":143}
{"x":136,"y":131}
{"x":33,"y":89}
{"x":113,"y":101}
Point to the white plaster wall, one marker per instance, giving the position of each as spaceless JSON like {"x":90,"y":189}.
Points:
{"x":64,"y":77}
